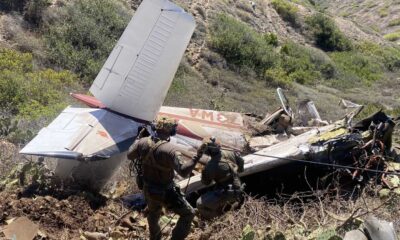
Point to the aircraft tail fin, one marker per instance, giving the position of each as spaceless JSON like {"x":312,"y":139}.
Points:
{"x":138,"y":73}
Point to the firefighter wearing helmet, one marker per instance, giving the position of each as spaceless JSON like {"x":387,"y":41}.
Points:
{"x":222,"y":169}
{"x":157,"y":159}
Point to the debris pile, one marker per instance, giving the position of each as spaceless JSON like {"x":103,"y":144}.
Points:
{"x":69,"y":217}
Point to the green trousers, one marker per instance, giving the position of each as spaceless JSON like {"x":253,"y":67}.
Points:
{"x":214,"y":203}
{"x":174,"y":202}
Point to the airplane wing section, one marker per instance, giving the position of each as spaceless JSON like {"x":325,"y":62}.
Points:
{"x":84,"y":134}
{"x":138,"y":73}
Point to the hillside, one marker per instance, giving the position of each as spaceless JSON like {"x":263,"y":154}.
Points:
{"x":240,"y":53}
{"x":265,"y":19}
{"x":377,"y":17}
{"x":207,"y":79}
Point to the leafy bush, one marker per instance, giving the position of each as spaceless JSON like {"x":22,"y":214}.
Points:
{"x":302,"y":64}
{"x":286,"y":10}
{"x":388,"y":56}
{"x":356,"y":67}
{"x":33,"y":11}
{"x":383,"y":12}
{"x":241,"y":45}
{"x":29,"y":93}
{"x":392,"y":36}
{"x":299,"y":64}
{"x":394,"y":22}
{"x":327,"y":36}
{"x":81,"y":38}
{"x":277,"y":77}
{"x":271,"y":39}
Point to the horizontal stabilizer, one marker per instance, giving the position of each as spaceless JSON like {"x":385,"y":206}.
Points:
{"x":138,"y":73}
{"x":84,"y":134}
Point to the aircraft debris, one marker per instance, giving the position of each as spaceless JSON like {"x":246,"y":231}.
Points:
{"x":363,"y":148}
{"x":21,"y":228}
{"x":373,"y":229}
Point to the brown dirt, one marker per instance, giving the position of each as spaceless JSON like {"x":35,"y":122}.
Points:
{"x":60,"y":216}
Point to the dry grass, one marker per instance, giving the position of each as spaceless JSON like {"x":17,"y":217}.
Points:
{"x":301,"y":215}
{"x":17,"y":33}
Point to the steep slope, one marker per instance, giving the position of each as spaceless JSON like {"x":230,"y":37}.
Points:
{"x":207,"y":79}
{"x":381,"y":17}
{"x":212,"y":83}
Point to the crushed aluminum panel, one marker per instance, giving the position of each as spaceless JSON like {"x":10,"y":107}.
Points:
{"x":136,"y":77}
{"x":196,"y":124}
{"x":313,"y":110}
{"x":267,"y":141}
{"x":256,"y":163}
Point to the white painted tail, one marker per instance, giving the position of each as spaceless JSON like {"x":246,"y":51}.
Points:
{"x":138,"y":73}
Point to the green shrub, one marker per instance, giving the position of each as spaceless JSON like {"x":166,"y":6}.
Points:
{"x":327,"y":36}
{"x":241,"y":45}
{"x":29,"y":93}
{"x":305,"y":65}
{"x":383,"y":12}
{"x":392,"y":36}
{"x":389,"y":57}
{"x":277,"y":77}
{"x":81,"y":39}
{"x":271,"y":39}
{"x":394,"y":22}
{"x":286,"y":10}
{"x":357,"y":68}
{"x":33,"y":11}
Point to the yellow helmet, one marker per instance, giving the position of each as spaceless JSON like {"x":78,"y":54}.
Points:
{"x":165,"y":125}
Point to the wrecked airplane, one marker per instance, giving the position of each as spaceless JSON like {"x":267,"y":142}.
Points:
{"x":87,"y":145}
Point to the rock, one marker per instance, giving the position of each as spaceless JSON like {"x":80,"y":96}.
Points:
{"x":379,"y":229}
{"x":355,"y":235}
{"x":94,"y":236}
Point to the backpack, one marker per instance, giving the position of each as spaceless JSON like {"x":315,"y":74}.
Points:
{"x":148,"y":158}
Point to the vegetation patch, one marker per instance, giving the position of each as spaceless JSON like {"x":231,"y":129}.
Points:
{"x":243,"y":48}
{"x":34,"y":11}
{"x":383,"y":12}
{"x":83,"y":34}
{"x":356,"y":68}
{"x":392,"y":36}
{"x":389,"y":57}
{"x":287,"y":10}
{"x":240,"y":45}
{"x":12,"y":5}
{"x":327,"y":35}
{"x":28,"y":94}
{"x":394,"y":22}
